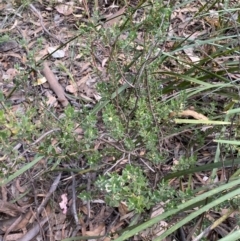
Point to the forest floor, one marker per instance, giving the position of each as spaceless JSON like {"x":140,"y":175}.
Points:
{"x":53,"y":56}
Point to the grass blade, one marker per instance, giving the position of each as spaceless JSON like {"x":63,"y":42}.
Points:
{"x":21,"y":171}
{"x":205,"y":208}
{"x":181,"y":207}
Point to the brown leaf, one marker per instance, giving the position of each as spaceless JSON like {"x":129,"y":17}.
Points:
{"x":82,"y":81}
{"x":10,"y":209}
{"x":11,"y":73}
{"x":8,"y":45}
{"x":20,"y":222}
{"x":191,"y":55}
{"x":34,"y":230}
{"x":52,"y":101}
{"x":122,"y":208}
{"x":19,"y":187}
{"x":65,"y":9}
{"x":71,"y":89}
{"x":14,"y":236}
{"x":115,"y":18}
{"x":98,"y":230}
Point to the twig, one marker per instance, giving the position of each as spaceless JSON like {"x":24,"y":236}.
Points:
{"x":34,"y":10}
{"x":45,"y":134}
{"x":52,"y":189}
{"x":116,"y":163}
{"x":74,"y":209}
{"x":35,"y":142}
{"x":88,"y":201}
{"x":118,"y":148}
{"x":54,"y":84}
{"x":205,"y":232}
{"x":14,"y":224}
{"x":34,"y":231}
{"x":111,"y":225}
{"x":11,"y":227}
{"x":147,"y":165}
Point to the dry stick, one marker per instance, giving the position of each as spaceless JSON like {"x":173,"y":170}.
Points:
{"x":34,"y":10}
{"x":52,"y":189}
{"x":10,"y":223}
{"x":74,"y":209}
{"x":193,"y":230}
{"x":146,"y":165}
{"x":15,"y":224}
{"x":43,"y":136}
{"x":118,"y":148}
{"x":88,"y":201}
{"x":115,"y":164}
{"x":214,"y":225}
{"x":35,"y":142}
{"x":11,"y":227}
{"x":54,"y":84}
{"x":34,"y":231}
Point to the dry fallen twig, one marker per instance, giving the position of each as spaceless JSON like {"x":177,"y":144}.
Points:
{"x":34,"y":231}
{"x":52,"y":189}
{"x":35,"y":142}
{"x":54,"y":85}
{"x":11,"y":227}
{"x":74,"y":208}
{"x":14,"y":224}
{"x":44,"y":135}
{"x":34,"y":10}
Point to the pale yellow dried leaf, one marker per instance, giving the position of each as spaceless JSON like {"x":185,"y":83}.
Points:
{"x":193,"y":114}
{"x":52,"y":101}
{"x":65,"y":9}
{"x":157,"y":210}
{"x":82,"y":81}
{"x":3,"y":158}
{"x":187,"y":113}
{"x":139,"y":47}
{"x":78,"y":15}
{"x":122,"y":208}
{"x":104,"y":61}
{"x":97,"y":96}
{"x":71,"y":89}
{"x":193,"y":57}
{"x":10,"y":74}
{"x":41,"y":53}
{"x":98,"y":230}
{"x":41,"y":81}
{"x":86,"y":97}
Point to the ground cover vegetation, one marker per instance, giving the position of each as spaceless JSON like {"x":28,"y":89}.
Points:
{"x":119,"y":120}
